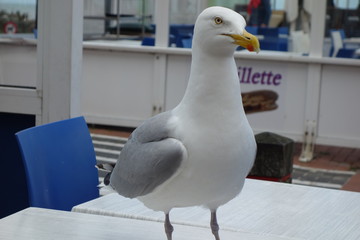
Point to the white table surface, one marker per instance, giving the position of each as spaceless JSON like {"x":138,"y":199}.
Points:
{"x":45,"y":224}
{"x":286,"y":211}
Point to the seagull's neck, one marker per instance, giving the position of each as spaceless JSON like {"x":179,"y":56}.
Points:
{"x":213,"y":85}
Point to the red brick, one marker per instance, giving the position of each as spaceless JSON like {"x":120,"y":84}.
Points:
{"x":353,"y":184}
{"x":343,"y":154}
{"x":354,"y":158}
{"x":119,"y":133}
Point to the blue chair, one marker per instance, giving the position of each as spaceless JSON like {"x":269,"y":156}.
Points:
{"x":187,"y":42}
{"x":338,"y":48}
{"x":345,"y":53}
{"x":59,"y":160}
{"x":148,"y":41}
{"x":268,"y":32}
{"x":180,"y":32}
{"x":283,"y":30}
{"x":252,"y":29}
{"x":274,"y":44}
{"x":271,"y":39}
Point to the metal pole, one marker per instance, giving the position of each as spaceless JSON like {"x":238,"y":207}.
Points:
{"x":118,"y":20}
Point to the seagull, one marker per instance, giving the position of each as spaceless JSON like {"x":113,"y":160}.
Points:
{"x":198,"y":153}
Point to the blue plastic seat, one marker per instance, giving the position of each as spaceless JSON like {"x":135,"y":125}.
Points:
{"x":252,"y":29}
{"x":283,"y":30}
{"x":187,"y":42}
{"x":268,"y":32}
{"x":148,"y":41}
{"x":345,"y":53}
{"x":59,"y":160}
{"x":338,"y":48}
{"x":271,"y":39}
{"x":180,"y":32}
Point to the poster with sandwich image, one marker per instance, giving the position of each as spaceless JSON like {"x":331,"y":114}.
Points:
{"x":263,"y":89}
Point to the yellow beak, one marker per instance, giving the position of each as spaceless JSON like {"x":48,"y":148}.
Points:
{"x":247,"y":40}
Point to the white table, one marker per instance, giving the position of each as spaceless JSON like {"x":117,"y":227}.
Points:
{"x":45,"y":224}
{"x":270,"y":209}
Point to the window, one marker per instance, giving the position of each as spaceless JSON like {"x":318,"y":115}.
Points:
{"x":343,"y":14}
{"x":346,"y":4}
{"x":17,"y":17}
{"x":118,"y":19}
{"x":342,"y":29}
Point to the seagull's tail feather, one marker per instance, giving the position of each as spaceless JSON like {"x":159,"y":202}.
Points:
{"x":105,"y":182}
{"x":104,"y":185}
{"x":107,"y":179}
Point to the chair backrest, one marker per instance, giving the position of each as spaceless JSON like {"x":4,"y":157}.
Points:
{"x":186,"y":42}
{"x":252,"y":29}
{"x":268,"y":32}
{"x":148,"y":41}
{"x":337,"y":41}
{"x":59,"y":160}
{"x":346,"y":53}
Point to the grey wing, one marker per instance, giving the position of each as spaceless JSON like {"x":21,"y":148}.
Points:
{"x":149,"y":158}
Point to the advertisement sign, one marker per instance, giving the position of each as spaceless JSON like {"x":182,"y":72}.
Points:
{"x":263,"y":89}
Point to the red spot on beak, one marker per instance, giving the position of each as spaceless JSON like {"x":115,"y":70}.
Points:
{"x":250,"y":48}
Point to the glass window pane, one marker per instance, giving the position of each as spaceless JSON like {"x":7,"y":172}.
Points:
{"x":287,"y":29}
{"x":185,"y":12}
{"x":342,"y":29}
{"x":128,"y":21}
{"x":17,"y":18}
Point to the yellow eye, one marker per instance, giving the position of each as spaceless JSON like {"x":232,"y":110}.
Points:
{"x":218,"y":20}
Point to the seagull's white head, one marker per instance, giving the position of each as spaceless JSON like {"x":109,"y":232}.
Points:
{"x":219,"y":29}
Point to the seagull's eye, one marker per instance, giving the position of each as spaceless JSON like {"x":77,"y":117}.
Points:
{"x":218,"y":20}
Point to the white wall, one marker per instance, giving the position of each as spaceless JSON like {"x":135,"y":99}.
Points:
{"x":18,"y":65}
{"x":339,"y":115}
{"x":117,"y":87}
